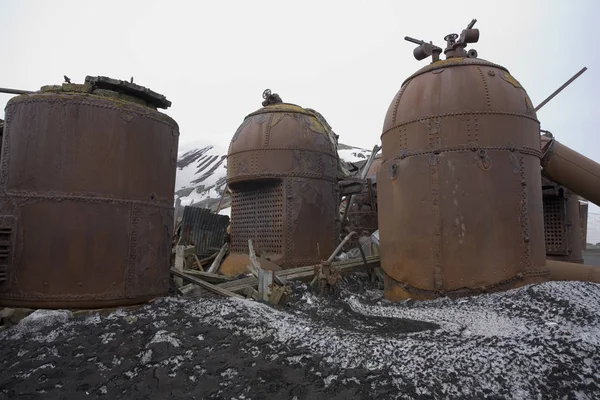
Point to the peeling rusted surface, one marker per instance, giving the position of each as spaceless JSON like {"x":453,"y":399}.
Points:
{"x":460,"y":183}
{"x":282,"y":173}
{"x":86,"y":200}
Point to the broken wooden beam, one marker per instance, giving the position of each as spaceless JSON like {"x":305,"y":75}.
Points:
{"x":217,"y":262}
{"x":206,"y":285}
{"x":179,"y":262}
{"x":303,"y":273}
{"x":211,"y":278}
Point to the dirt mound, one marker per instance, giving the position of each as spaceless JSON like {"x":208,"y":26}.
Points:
{"x":537,"y":340}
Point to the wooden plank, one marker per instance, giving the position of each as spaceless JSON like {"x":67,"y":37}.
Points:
{"x":302,"y":273}
{"x":205,"y":285}
{"x":179,"y":261}
{"x":217,"y":262}
{"x":211,"y":278}
{"x":265,"y":279}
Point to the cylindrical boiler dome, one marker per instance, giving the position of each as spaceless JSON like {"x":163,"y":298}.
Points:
{"x":282,"y":173}
{"x":460,"y":205}
{"x":86,"y":192}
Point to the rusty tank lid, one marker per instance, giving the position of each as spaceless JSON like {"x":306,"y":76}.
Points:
{"x":273,"y":104}
{"x":103,"y":86}
{"x":455,"y":51}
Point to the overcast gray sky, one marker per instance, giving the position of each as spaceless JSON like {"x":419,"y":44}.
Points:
{"x":346,"y":59}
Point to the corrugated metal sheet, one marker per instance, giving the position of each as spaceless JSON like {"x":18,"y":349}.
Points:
{"x":204,"y":229}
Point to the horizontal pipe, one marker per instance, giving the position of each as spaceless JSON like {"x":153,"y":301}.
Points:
{"x":566,"y":271}
{"x":14,"y":91}
{"x":571,"y":169}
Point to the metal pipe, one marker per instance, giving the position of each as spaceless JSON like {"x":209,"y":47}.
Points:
{"x":571,"y":169}
{"x":14,"y":91}
{"x":566,"y":271}
{"x":557,"y":91}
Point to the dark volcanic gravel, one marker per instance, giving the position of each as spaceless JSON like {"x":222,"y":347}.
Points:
{"x":540,"y":341}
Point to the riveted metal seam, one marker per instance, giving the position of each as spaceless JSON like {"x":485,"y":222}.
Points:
{"x":485,"y":87}
{"x":450,"y":63}
{"x":133,"y":226}
{"x":83,"y":198}
{"x":523,"y":150}
{"x":267,"y":111}
{"x":268,"y":130}
{"x":332,"y":155}
{"x":311,"y":175}
{"x":397,"y":103}
{"x":136,"y":109}
{"x":457,"y":114}
{"x":525,"y":215}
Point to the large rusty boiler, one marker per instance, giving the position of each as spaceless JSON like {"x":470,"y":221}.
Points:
{"x":282,"y":172}
{"x":459,"y":199}
{"x":86,"y":191}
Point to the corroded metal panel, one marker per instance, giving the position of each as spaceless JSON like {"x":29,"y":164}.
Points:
{"x":90,"y":178}
{"x":282,"y":173}
{"x":459,"y":200}
{"x":204,"y":229}
{"x":583,"y":220}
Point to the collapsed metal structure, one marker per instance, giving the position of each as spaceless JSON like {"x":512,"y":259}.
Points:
{"x":87,"y":184}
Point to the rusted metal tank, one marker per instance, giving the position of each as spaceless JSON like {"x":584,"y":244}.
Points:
{"x":282,"y":173}
{"x":86,"y":192}
{"x":459,"y":199}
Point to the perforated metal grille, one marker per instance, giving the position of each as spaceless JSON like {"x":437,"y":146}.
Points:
{"x":5,"y":239}
{"x":257,"y":214}
{"x":555,"y":224}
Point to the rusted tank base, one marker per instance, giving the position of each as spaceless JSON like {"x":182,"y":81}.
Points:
{"x":567,"y":271}
{"x":395,"y":291}
{"x":562,"y":259}
{"x":77,"y":304}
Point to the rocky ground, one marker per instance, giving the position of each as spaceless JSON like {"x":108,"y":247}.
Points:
{"x":540,"y":341}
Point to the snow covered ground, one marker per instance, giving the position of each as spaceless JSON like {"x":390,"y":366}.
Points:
{"x":539,"y":341}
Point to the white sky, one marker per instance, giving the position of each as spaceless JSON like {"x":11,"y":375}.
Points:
{"x":346,"y":59}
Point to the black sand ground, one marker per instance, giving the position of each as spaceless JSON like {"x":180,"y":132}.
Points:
{"x":540,"y":341}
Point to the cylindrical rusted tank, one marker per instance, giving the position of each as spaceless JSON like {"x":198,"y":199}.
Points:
{"x":282,"y":173}
{"x":86,"y":193}
{"x":460,"y":205}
